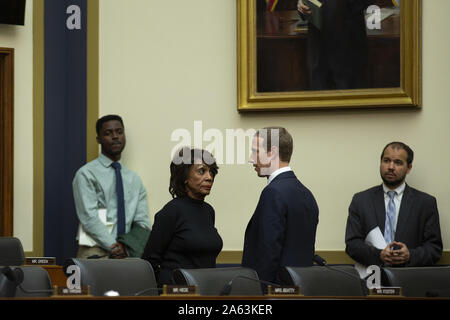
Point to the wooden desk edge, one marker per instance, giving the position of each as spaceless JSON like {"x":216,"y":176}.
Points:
{"x":228,"y":298}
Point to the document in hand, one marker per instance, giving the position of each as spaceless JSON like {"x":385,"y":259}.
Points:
{"x":374,"y":238}
{"x":316,"y":13}
{"x":84,"y":239}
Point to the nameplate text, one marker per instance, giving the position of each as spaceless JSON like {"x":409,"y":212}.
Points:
{"x":284,"y":291}
{"x":40,"y":261}
{"x":179,"y":290}
{"x":386,"y":291}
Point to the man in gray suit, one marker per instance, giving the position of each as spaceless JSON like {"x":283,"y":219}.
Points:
{"x":407,"y":218}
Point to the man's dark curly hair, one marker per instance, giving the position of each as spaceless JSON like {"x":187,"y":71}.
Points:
{"x":181,"y":164}
{"x":104,"y":119}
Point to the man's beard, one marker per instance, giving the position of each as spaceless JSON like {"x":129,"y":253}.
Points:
{"x":393,"y":183}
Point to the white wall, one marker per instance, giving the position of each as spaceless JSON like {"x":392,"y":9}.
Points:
{"x":21,"y":39}
{"x":165,"y":64}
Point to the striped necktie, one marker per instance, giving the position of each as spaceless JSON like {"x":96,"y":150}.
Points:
{"x":389,"y":225}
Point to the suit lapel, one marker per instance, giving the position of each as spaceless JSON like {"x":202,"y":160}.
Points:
{"x":380,"y":208}
{"x":404,"y":213}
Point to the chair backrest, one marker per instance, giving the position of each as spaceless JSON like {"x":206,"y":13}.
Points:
{"x":129,"y":277}
{"x":11,"y":252}
{"x":212,"y":281}
{"x":36,"y":282}
{"x":25,"y":281}
{"x":419,"y":282}
{"x":322,"y":281}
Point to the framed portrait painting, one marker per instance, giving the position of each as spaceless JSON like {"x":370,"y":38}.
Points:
{"x":331,"y":54}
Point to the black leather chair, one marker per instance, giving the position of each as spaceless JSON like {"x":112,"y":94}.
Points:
{"x":25,"y":281}
{"x":128,"y":277}
{"x":36,"y":283}
{"x":11,"y":252}
{"x":214,"y":281}
{"x":321,"y":281}
{"x":419,"y":282}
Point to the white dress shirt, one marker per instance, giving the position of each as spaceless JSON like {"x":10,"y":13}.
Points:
{"x":277,"y":172}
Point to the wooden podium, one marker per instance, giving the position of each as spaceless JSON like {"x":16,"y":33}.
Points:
{"x":57,"y":275}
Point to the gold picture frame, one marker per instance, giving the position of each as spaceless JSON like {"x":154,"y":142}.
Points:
{"x":407,"y":95}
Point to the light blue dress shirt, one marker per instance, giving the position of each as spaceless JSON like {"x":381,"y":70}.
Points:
{"x":94,"y":188}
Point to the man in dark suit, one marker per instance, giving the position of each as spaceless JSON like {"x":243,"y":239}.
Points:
{"x":407,"y":218}
{"x":282,"y":230}
{"x":337,"y":53}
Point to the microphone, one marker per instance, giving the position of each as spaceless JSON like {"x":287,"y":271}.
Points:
{"x":15,"y":276}
{"x":437,"y":293}
{"x":146,"y":290}
{"x":35,"y":291}
{"x":227,"y":288}
{"x":9,"y":280}
{"x":321,"y":262}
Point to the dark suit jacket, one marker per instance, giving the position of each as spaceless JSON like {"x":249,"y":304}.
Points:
{"x":417,"y":227}
{"x":337,"y":54}
{"x":282,"y":230}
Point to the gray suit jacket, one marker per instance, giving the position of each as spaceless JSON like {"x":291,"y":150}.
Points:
{"x":417,"y":227}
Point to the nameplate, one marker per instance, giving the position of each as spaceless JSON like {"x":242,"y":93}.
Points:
{"x":284,"y":291}
{"x":386,"y":291}
{"x":64,"y":291}
{"x":40,"y":261}
{"x":170,"y":290}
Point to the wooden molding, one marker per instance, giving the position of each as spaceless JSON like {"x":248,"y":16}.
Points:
{"x":331,"y":256}
{"x":92,"y":79}
{"x":38,"y":129}
{"x":7,"y":141}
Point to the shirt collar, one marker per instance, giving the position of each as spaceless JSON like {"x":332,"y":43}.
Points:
{"x":278,"y":172}
{"x":399,"y":190}
{"x":105,"y":161}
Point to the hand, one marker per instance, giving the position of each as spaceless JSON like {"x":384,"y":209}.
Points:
{"x":395,"y":253}
{"x":302,"y":8}
{"x":386,"y":255}
{"x":400,"y":255}
{"x":118,"y":251}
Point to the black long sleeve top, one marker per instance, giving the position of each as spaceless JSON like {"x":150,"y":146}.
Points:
{"x":183,"y":236}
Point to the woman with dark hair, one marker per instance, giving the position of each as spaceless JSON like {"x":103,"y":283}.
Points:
{"x":183,"y":233}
